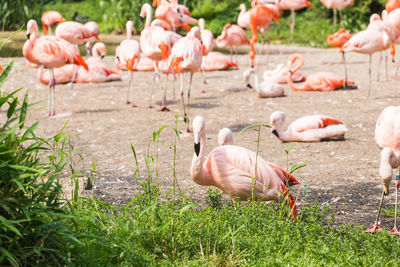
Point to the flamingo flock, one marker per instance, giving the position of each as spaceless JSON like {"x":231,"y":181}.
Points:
{"x":235,"y":170}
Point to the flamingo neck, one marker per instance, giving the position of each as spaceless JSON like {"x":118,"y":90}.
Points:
{"x":200,"y":175}
{"x":95,"y":52}
{"x":148,"y":16}
{"x":256,"y":82}
{"x":284,"y":136}
{"x":291,"y":83}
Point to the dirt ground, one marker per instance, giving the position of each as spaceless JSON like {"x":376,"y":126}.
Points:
{"x":342,"y":174}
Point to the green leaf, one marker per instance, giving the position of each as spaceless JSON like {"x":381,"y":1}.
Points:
{"x":10,"y":37}
{"x":287,"y":150}
{"x":248,"y":127}
{"x":296,"y":167}
{"x":5,"y":73}
{"x":188,"y":206}
{"x":24,"y":109}
{"x":11,"y":108}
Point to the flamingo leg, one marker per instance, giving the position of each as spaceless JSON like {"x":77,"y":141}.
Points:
{"x":130,"y":89}
{"x":188,"y":92}
{"x":395,"y":230}
{"x":386,"y":66}
{"x":236,"y":54}
{"x":292,"y":22}
{"x":54,"y":93}
{"x":341,"y":18}
{"x":230,"y":48}
{"x":50,"y":100}
{"x":173,"y":88}
{"x":376,"y":227}
{"x":183,"y":99}
{"x":268,"y":46}
{"x":164,"y":99}
{"x":379,"y":66}
{"x":369,"y":73}
{"x":334,"y":19}
{"x":74,"y":75}
{"x":345,"y":70}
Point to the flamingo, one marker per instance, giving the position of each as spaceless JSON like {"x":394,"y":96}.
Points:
{"x":368,"y":42}
{"x":392,"y":5}
{"x":338,"y":39}
{"x":77,"y":34}
{"x":337,"y":5}
{"x":186,"y":56}
{"x":216,"y":61}
{"x":318,"y":81}
{"x":232,"y":169}
{"x":225,"y":137}
{"x":281,"y":74}
{"x":126,"y":55}
{"x":174,"y":16}
{"x":93,"y":27}
{"x":268,"y":88}
{"x":61,"y":75}
{"x":51,"y":52}
{"x":50,"y":19}
{"x":307,"y":129}
{"x":155,"y":44}
{"x":232,"y":36}
{"x":98,"y":70}
{"x":292,"y":5}
{"x":260,"y":17}
{"x":393,"y":19}
{"x":387,"y":137}
{"x":207,"y":40}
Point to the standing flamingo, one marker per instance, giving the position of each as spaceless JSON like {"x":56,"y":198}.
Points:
{"x":186,"y":56}
{"x":337,"y":5}
{"x":233,"y":170}
{"x":126,"y":54}
{"x":260,"y":17}
{"x":368,"y":42}
{"x":51,"y":52}
{"x":292,"y":5}
{"x":318,"y":81}
{"x":207,"y":39}
{"x":338,"y":39}
{"x":98,"y":70}
{"x":387,"y":136}
{"x":307,"y":129}
{"x":155,"y":44}
{"x":268,"y":88}
{"x":93,"y":27}
{"x":50,"y":19}
{"x":225,"y":137}
{"x":232,"y":36}
{"x":174,"y":16}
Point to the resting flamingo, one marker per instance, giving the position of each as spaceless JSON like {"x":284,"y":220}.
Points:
{"x":318,"y":81}
{"x":51,"y":52}
{"x":268,"y":88}
{"x":292,"y":5}
{"x":387,"y":136}
{"x":61,"y":75}
{"x":127,"y":54}
{"x":368,"y":42}
{"x":50,"y":19}
{"x":93,"y":27}
{"x":307,"y":129}
{"x":281,"y":74}
{"x":216,"y":61}
{"x":98,"y":70}
{"x":174,"y":16}
{"x":186,"y":56}
{"x":232,"y":36}
{"x":232,"y":169}
{"x":337,"y":5}
{"x":338,"y":39}
{"x":225,"y":137}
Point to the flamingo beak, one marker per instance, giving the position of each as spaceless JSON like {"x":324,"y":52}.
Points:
{"x":249,"y":86}
{"x":197,"y":148}
{"x":102,"y":56}
{"x":275,"y":133}
{"x":141,"y":18}
{"x":28,"y":35}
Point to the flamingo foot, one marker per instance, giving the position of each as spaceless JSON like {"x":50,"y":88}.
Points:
{"x":188,"y":131}
{"x":394,"y":231}
{"x":164,"y":108}
{"x":133,"y":106}
{"x":127,"y":102}
{"x":203,"y":91}
{"x":149,"y":107}
{"x":374,"y":228}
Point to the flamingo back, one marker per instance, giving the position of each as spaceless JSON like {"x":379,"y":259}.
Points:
{"x":387,"y":130}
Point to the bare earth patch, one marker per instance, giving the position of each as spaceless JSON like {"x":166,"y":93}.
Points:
{"x":104,"y":128}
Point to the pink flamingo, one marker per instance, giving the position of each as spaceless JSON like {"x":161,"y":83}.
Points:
{"x":368,"y":42}
{"x":393,"y":19}
{"x":207,"y":40}
{"x":126,"y":54}
{"x":98,"y":70}
{"x":225,"y":137}
{"x":292,"y":5}
{"x":50,"y":19}
{"x":186,"y":56}
{"x":174,"y":16}
{"x":51,"y":52}
{"x":268,"y":88}
{"x":307,"y":129}
{"x":216,"y":61}
{"x":232,"y":169}
{"x":337,"y":5}
{"x":338,"y":39}
{"x":281,"y":75}
{"x":93,"y":27}
{"x":387,"y":136}
{"x":61,"y":75}
{"x":232,"y":36}
{"x":392,"y":5}
{"x":318,"y":81}
{"x":155,"y":44}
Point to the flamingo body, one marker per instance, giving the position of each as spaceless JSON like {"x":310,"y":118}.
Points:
{"x":267,"y":88}
{"x":216,"y":61}
{"x":61,"y":75}
{"x":50,"y":19}
{"x":281,"y":74}
{"x":75,"y":32}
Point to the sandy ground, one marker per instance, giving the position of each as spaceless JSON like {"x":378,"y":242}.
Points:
{"x":103,"y":128}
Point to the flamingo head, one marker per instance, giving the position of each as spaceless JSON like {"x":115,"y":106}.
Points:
{"x":199,"y":127}
{"x":385,"y":168}
{"x":129,"y":26}
{"x":277,"y":119}
{"x":145,"y":10}
{"x":202,"y":23}
{"x":292,"y":59}
{"x":195,"y":32}
{"x":225,"y":137}
{"x":99,"y":48}
{"x":246,"y":75}
{"x":242,"y":7}
{"x":32,"y":28}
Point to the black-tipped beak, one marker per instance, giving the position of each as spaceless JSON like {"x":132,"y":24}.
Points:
{"x":249,"y":86}
{"x":28,"y":35}
{"x":275,"y":133}
{"x":118,"y":58}
{"x":102,"y":56}
{"x":197,"y":148}
{"x":141,"y":18}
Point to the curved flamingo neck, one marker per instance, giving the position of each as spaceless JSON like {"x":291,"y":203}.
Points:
{"x":199,"y":173}
{"x":256,"y":81}
{"x":148,"y":11}
{"x":292,"y":72}
{"x":284,"y":136}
